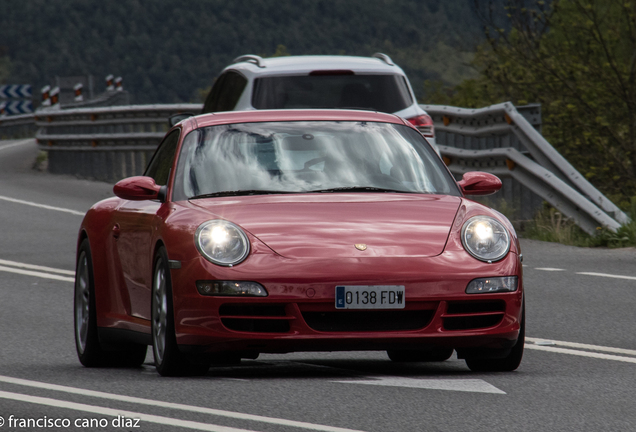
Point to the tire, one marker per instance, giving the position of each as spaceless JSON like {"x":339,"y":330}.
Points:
{"x":89,"y":350}
{"x":411,"y":356}
{"x":507,"y":364}
{"x":169,"y":361}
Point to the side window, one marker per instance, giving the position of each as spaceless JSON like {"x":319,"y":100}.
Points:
{"x":161,"y":162}
{"x":225,"y":93}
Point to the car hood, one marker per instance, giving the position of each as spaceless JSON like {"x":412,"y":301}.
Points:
{"x":331,"y":225}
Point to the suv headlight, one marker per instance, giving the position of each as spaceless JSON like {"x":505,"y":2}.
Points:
{"x":485,"y":238}
{"x":222,"y":242}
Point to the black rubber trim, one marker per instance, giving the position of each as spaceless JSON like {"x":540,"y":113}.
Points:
{"x":108,"y":336}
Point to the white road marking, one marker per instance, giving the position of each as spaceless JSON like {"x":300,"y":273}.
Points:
{"x":19,"y":143}
{"x":537,"y":341}
{"x":548,"y":269}
{"x":581,"y":353}
{"x":607,"y":275}
{"x":36,"y":267}
{"x":44,"y":206}
{"x":463,"y":385}
{"x":36,"y":274}
{"x":170,"y":405}
{"x":117,"y":412}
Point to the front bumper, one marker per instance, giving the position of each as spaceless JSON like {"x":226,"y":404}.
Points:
{"x":299,"y":313}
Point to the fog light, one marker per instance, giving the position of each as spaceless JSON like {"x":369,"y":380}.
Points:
{"x":231,"y":288}
{"x":492,"y":285}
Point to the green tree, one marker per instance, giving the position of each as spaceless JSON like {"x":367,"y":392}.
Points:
{"x":578,"y":59}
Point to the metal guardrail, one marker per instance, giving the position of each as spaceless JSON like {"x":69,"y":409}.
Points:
{"x":537,"y":165}
{"x":17,"y":126}
{"x":107,"y":143}
{"x":509,"y":162}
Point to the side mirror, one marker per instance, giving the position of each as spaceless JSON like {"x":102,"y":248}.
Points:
{"x":138,"y":188}
{"x":176,"y":118}
{"x":479,"y":183}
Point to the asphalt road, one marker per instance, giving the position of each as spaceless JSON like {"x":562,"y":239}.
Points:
{"x":578,"y":372}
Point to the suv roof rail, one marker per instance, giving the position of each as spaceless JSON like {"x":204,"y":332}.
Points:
{"x":251,"y":58}
{"x":385,"y":58}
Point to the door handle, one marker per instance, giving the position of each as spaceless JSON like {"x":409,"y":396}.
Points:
{"x":116,"y":231}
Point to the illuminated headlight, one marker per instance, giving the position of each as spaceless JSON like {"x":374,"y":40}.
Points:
{"x":222,"y":242}
{"x":485,"y":238}
{"x":492,"y":285}
{"x":231,"y":288}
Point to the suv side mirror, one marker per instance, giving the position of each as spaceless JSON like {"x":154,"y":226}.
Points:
{"x":176,"y":118}
{"x":479,"y":183}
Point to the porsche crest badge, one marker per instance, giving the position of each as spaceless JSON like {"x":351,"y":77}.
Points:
{"x":360,"y":246}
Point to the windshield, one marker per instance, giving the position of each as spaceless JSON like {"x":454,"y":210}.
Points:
{"x":308,"y":156}
{"x":384,"y":93}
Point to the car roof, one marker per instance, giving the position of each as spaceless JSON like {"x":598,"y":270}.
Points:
{"x":230,"y":117}
{"x":309,"y":63}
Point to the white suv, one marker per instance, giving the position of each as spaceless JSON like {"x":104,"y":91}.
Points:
{"x":370,"y":83}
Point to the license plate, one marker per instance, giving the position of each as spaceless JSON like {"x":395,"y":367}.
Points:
{"x":370,"y":297}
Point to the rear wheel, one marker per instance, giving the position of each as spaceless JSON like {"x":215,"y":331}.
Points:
{"x":169,"y":361}
{"x":505,"y":364}
{"x":409,"y":356}
{"x":89,"y":350}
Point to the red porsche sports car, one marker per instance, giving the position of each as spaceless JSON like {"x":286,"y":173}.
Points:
{"x":301,"y":230}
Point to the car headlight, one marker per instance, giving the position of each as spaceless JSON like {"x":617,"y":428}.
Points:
{"x":222,"y":242}
{"x":485,"y":238}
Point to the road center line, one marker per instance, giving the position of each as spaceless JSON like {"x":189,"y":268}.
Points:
{"x":607,"y":275}
{"x":36,"y":267}
{"x":37,"y":274}
{"x":548,"y":269}
{"x":44,"y":206}
{"x":584,"y":346}
{"x":117,"y":412}
{"x":170,"y":405}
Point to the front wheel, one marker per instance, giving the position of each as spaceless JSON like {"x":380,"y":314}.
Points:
{"x":169,"y":361}
{"x":507,"y":364}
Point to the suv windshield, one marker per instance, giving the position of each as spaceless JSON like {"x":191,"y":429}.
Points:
{"x":308,"y":156}
{"x":385,"y":93}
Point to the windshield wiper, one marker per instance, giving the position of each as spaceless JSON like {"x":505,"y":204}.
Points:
{"x":360,"y":189}
{"x":239,"y":193}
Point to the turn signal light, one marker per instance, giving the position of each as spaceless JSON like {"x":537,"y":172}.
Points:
{"x":231,"y":288}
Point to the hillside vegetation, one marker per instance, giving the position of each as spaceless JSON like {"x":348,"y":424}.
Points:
{"x":166,"y":50}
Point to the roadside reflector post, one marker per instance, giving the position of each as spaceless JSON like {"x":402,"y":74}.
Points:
{"x":110,"y":84}
{"x":78,"y":92}
{"x":118,"y":84}
{"x":446,"y":120}
{"x":46,"y":95}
